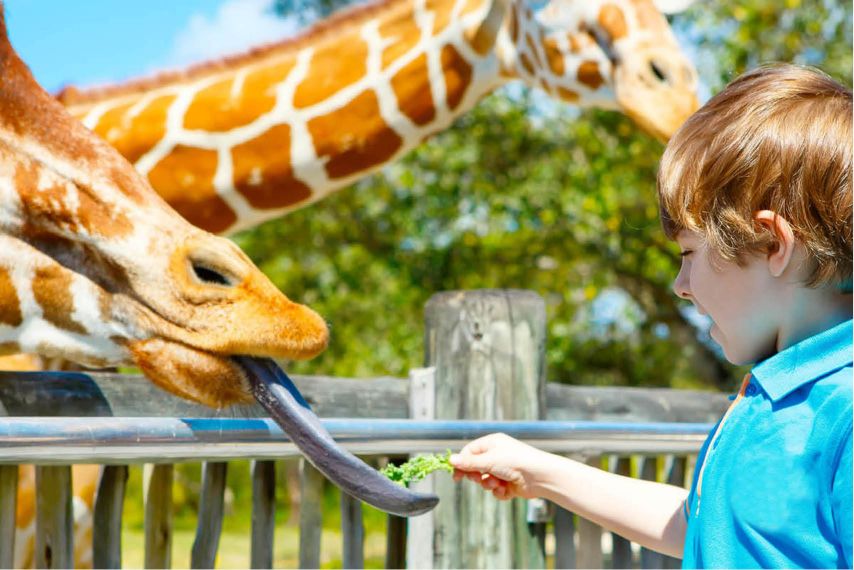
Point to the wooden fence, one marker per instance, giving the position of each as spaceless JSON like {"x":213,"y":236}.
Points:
{"x":486,"y":372}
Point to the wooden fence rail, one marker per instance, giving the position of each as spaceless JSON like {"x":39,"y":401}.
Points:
{"x":484,"y":351}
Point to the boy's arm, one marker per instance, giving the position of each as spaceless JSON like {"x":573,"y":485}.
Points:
{"x":642,"y":511}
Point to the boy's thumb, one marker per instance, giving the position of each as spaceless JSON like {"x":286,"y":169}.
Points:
{"x":469,"y":462}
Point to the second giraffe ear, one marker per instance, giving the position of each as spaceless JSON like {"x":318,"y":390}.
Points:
{"x":482,"y":37}
{"x":780,"y":253}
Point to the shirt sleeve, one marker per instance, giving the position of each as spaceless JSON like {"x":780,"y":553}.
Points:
{"x":841,"y":499}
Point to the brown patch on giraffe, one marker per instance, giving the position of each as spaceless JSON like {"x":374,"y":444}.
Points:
{"x":613,"y":21}
{"x":533,"y":49}
{"x":546,"y":86}
{"x":458,"y":75}
{"x":514,"y":25}
{"x":481,"y":38}
{"x":277,"y":187}
{"x":354,"y":137}
{"x":567,"y":94}
{"x":402,"y":33}
{"x":579,"y":42}
{"x":10,"y":304}
{"x":52,"y":291}
{"x":471,"y":6}
{"x":526,"y":63}
{"x":111,"y":122}
{"x":146,"y":129}
{"x":411,"y":86}
{"x":588,"y":74}
{"x":554,"y":56}
{"x":184,"y":178}
{"x":334,"y":65}
{"x":215,"y":110}
{"x":442,"y":10}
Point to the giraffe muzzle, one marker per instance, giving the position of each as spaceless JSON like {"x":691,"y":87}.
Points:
{"x":277,"y":394}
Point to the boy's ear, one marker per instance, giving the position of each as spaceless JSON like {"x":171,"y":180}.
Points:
{"x":781,"y":254}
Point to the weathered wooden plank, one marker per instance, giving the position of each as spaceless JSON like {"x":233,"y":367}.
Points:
{"x":649,"y":472}
{"x":157,"y":495}
{"x":621,"y":550}
{"x":488,"y":348}
{"x":211,"y":509}
{"x":564,"y":529}
{"x":353,"y":532}
{"x":263,"y":513}
{"x":109,"y":503}
{"x":54,"y":518}
{"x":419,"y":531}
{"x":589,"y":553}
{"x":82,"y":394}
{"x":310,"y":515}
{"x":675,"y":476}
{"x":8,"y":504}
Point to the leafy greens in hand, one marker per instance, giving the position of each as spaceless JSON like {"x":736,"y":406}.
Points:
{"x":418,"y":467}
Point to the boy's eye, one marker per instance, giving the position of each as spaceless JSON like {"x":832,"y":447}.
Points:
{"x":685,"y":253}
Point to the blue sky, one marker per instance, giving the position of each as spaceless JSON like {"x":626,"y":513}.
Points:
{"x":86,"y":42}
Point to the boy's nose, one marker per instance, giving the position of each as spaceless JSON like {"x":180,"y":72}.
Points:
{"x":680,"y":286}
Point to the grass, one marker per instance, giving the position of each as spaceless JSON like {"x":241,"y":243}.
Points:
{"x":234,"y":548}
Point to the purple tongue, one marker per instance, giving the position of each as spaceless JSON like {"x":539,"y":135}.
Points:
{"x":279,"y":396}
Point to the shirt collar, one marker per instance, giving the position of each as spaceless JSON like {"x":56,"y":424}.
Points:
{"x":805,"y":361}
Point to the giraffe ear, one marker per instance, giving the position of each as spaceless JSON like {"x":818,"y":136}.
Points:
{"x":672,"y":6}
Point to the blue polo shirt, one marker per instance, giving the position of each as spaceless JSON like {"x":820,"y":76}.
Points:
{"x":773,"y":482}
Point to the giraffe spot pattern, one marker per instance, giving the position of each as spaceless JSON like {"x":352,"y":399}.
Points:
{"x":442,"y":11}
{"x":215,"y":110}
{"x":411,"y":87}
{"x":269,"y":154}
{"x":402,"y":34}
{"x":10,"y":305}
{"x":184,"y":178}
{"x":354,"y":137}
{"x":567,"y":94}
{"x":481,"y":38}
{"x":533,"y":49}
{"x":613,"y":21}
{"x":330,"y":72}
{"x":554,"y":56}
{"x":136,"y":137}
{"x":588,"y":74}
{"x":52,"y":291}
{"x":458,"y":75}
{"x":526,"y":63}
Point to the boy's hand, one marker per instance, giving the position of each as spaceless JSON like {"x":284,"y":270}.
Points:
{"x":503,"y":465}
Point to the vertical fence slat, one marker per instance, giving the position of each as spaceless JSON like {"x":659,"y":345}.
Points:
{"x":263,"y":513}
{"x":8,"y":504}
{"x":649,"y":472}
{"x":109,"y":503}
{"x":353,"y":532}
{"x":676,"y":476}
{"x":419,"y":530}
{"x":158,"y":515}
{"x":395,"y":551}
{"x":564,"y":530}
{"x":211,"y":509}
{"x":621,"y":550}
{"x":589,"y":534}
{"x":310,"y":516}
{"x":54,"y":520}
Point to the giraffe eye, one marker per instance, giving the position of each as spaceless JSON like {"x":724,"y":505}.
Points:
{"x":210,"y":276}
{"x":658,"y":72}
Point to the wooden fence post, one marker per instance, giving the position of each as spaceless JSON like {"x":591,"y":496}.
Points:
{"x":488,"y":348}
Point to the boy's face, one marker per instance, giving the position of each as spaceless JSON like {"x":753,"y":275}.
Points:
{"x":736,"y":297}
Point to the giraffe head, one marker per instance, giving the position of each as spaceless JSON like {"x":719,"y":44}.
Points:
{"x":95,"y":267}
{"x":618,"y":54}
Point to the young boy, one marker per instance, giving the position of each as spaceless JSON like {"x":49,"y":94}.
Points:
{"x":756,"y":190}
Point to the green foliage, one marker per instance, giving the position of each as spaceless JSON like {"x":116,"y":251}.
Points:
{"x":418,"y":467}
{"x":525,"y":194}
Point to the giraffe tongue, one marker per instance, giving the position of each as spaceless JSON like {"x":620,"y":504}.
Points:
{"x":279,"y":396}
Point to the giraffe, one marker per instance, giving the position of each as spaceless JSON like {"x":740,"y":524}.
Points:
{"x":95,"y":267}
{"x":232,"y":143}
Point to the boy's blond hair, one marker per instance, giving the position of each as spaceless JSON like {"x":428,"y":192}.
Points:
{"x":777,"y":138}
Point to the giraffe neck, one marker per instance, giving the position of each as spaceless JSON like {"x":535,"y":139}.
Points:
{"x":233,"y":145}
